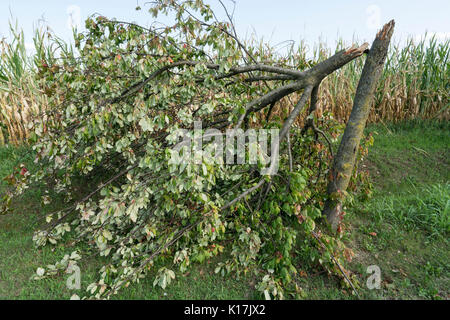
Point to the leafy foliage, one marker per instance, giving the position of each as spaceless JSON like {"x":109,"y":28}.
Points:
{"x":113,"y":119}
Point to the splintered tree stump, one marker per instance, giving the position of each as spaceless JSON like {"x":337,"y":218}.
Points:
{"x":344,"y":160}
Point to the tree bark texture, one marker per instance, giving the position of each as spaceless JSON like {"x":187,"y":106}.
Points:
{"x":344,"y":160}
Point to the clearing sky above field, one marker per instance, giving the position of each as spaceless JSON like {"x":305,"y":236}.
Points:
{"x":275,"y":21}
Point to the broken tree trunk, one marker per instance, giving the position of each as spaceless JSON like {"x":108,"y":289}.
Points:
{"x":344,"y":160}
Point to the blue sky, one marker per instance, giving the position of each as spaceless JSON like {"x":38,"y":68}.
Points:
{"x":275,"y":20}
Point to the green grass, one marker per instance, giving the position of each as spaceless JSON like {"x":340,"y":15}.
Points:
{"x":409,"y":213}
{"x":19,"y":259}
{"x":403,"y":229}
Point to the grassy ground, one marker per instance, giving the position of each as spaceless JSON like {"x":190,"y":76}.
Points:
{"x":403,"y":229}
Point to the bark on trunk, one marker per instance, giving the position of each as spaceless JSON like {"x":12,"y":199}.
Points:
{"x":345,"y":158}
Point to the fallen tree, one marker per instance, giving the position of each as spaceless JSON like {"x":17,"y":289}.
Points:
{"x":119,"y":110}
{"x":344,"y":161}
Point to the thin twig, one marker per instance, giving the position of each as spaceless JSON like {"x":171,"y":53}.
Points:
{"x":336,"y":262}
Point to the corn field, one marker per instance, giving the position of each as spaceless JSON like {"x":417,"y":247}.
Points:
{"x":21,"y":99}
{"x":415,"y":83}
